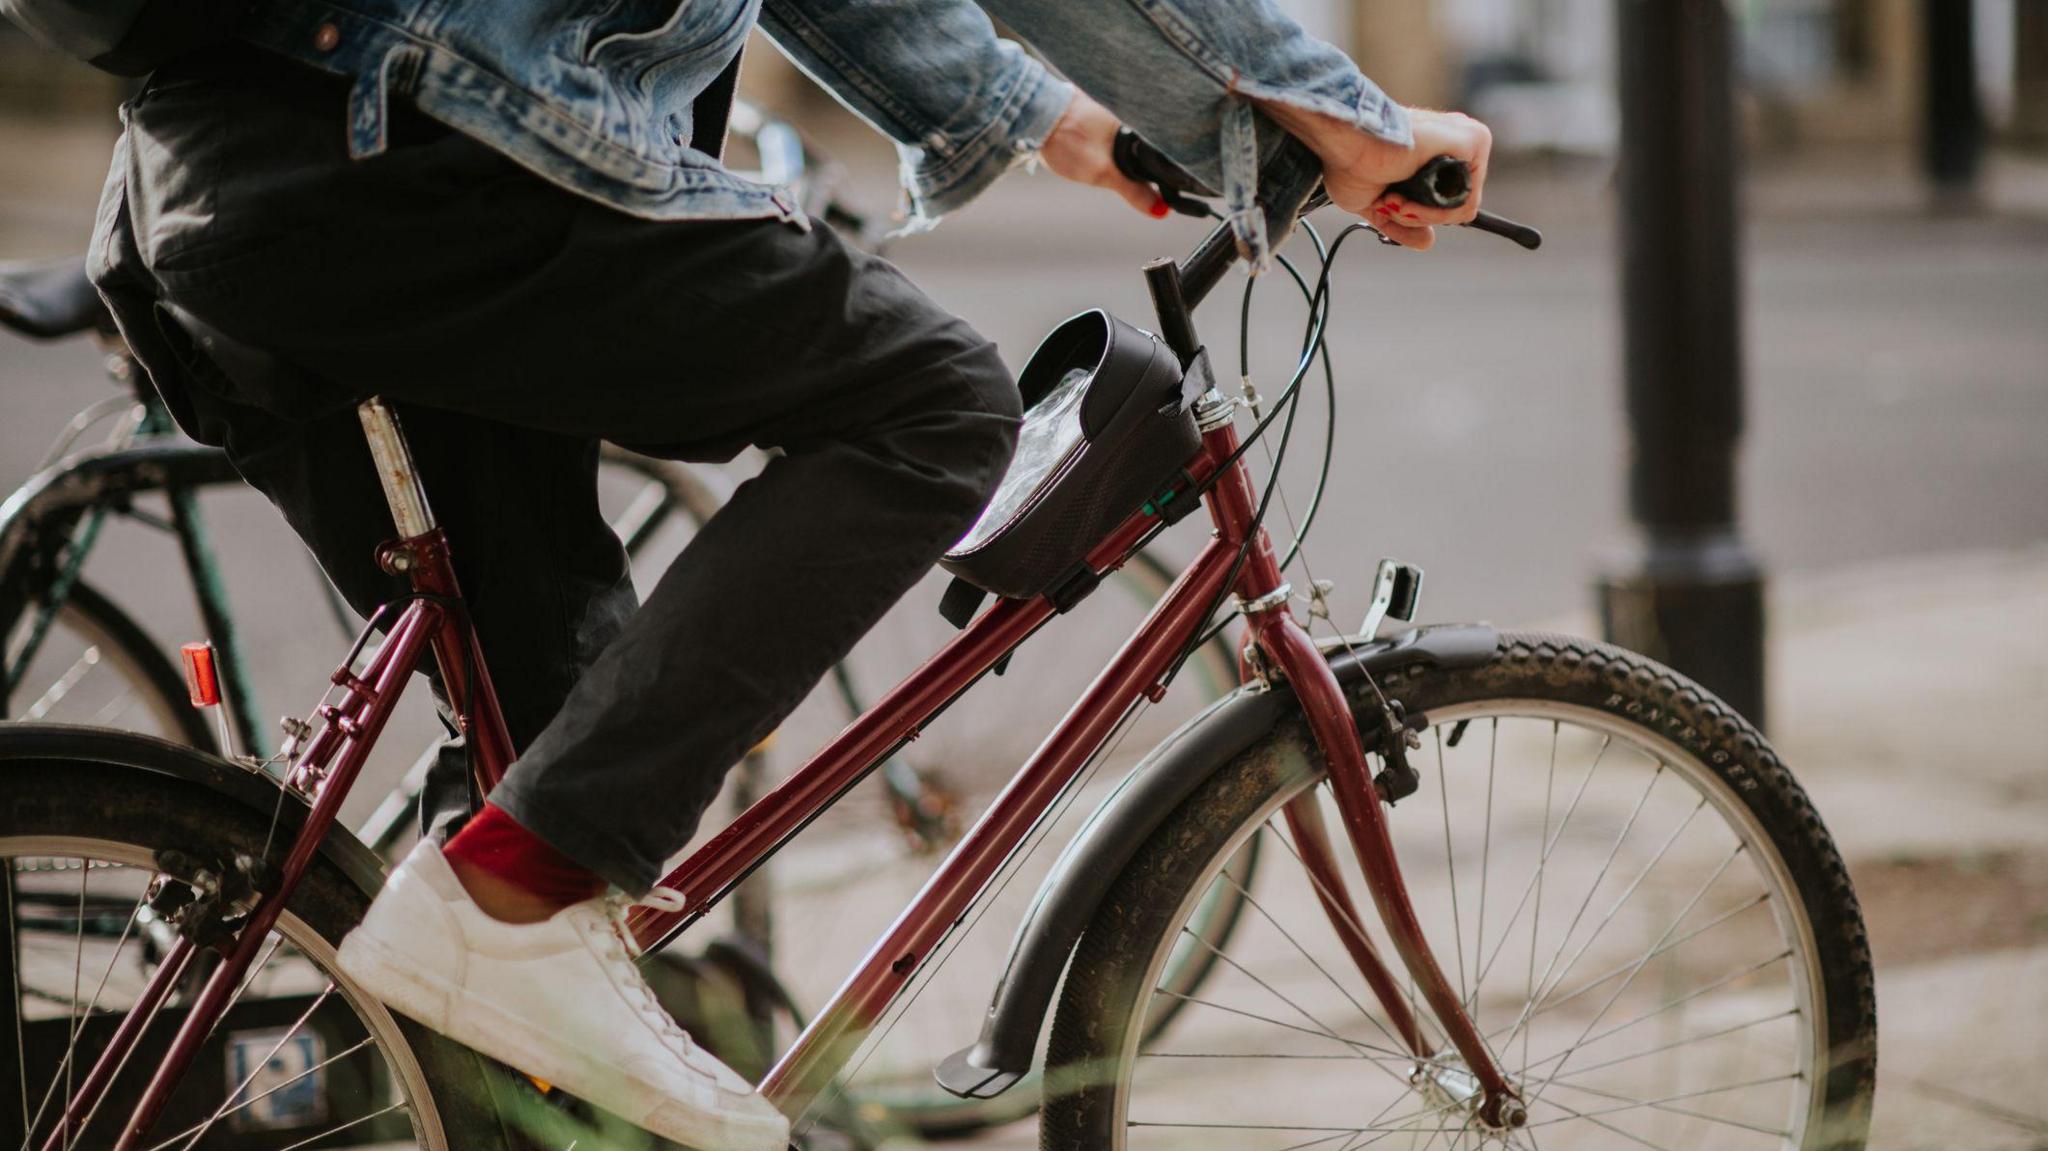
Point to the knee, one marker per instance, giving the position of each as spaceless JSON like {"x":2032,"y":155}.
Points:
{"x":958,"y":439}
{"x":990,"y":392}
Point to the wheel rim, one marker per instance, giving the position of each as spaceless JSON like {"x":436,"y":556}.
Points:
{"x":1561,"y":1080}
{"x":271,"y":1070}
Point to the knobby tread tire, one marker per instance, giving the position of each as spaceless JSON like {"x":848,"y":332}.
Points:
{"x":1103,"y":992}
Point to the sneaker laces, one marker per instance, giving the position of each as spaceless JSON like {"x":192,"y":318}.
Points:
{"x":625,"y":953}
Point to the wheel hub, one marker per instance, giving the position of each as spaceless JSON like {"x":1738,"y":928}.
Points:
{"x":1448,"y":1086}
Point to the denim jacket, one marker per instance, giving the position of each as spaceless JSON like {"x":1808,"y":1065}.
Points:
{"x":597,"y":96}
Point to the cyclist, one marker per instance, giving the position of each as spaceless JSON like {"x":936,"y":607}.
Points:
{"x":494,"y":216}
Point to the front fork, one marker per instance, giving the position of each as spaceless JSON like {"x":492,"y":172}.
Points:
{"x":1288,"y":653}
{"x":1294,"y":657}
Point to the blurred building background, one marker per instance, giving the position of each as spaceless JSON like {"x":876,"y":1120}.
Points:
{"x":1815,"y":74}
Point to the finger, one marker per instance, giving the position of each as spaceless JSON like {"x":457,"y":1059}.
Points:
{"x":1139,"y":196}
{"x":1405,"y":211}
{"x":1401,"y":221}
{"x":1419,"y":238}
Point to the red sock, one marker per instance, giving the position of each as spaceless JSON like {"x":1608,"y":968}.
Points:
{"x":493,"y":841}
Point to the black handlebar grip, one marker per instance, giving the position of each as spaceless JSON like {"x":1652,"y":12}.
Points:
{"x":1148,"y":165}
{"x":1446,"y":182}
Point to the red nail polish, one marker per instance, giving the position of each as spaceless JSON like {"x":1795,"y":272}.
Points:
{"x":1159,"y":209}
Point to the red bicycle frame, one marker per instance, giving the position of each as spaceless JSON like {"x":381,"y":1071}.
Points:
{"x":1238,"y":559}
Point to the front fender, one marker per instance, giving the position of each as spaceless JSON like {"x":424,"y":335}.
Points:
{"x":1067,"y":900}
{"x":32,"y":746}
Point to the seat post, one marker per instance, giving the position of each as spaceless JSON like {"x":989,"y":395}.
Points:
{"x":395,"y":469}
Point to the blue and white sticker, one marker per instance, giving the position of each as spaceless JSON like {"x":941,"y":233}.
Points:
{"x":287,"y":1084}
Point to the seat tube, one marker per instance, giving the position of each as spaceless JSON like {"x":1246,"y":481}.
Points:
{"x":420,"y":553}
{"x":395,"y":470}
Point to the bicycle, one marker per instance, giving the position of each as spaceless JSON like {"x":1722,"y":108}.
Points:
{"x":73,"y":653}
{"x":230,"y":860}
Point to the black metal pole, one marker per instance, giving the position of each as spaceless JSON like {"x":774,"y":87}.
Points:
{"x":2030,"y":73}
{"x":1952,"y":126}
{"x":1688,"y":592}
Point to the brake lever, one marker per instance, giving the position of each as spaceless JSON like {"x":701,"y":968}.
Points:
{"x":1446,"y":182}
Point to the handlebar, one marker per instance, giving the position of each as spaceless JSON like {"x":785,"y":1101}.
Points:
{"x":1178,"y":288}
{"x":1444,"y":182}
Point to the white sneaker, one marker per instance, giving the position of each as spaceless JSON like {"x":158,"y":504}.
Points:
{"x":561,"y":1000}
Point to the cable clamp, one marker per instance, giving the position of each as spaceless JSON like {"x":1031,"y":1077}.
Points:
{"x":1278,"y":597}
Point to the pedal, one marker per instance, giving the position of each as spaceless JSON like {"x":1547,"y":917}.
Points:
{"x":1396,"y":592}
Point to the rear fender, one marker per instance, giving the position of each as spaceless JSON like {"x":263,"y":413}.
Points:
{"x":1067,"y":900}
{"x":48,"y":746}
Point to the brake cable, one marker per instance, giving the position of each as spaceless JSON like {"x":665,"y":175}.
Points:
{"x":1312,"y":344}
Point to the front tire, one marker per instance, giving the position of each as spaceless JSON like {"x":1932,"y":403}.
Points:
{"x":1761,"y":1031}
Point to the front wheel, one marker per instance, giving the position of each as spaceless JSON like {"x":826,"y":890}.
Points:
{"x":1646,"y":919}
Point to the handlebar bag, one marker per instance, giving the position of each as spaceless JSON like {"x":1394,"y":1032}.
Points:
{"x":1107,"y":425}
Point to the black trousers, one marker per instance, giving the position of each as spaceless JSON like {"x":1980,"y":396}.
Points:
{"x":270,"y":283}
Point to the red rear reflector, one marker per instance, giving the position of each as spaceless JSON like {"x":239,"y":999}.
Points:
{"x":201,"y":680}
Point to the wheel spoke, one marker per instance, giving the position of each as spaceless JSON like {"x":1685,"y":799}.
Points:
{"x":1640,"y":963}
{"x":1536,"y":916}
{"x":77,"y":964}
{"x":1451,"y":864}
{"x":67,"y":1066}
{"x":1666,"y":1104}
{"x":1553,"y":1004}
{"x":1636,"y":905}
{"x":1367,"y":1051}
{"x":1347,"y":1136}
{"x":61,"y":687}
{"x":199,"y":1131}
{"x":1604,"y":1124}
{"x":272,"y":1090}
{"x":1268,"y":828}
{"x":63,"y":1073}
{"x":12,"y":939}
{"x":1598,"y":879}
{"x":1716,"y":985}
{"x":1677,"y":1043}
{"x":1550,"y":842}
{"x":1298,"y":1009}
{"x":1485,"y":865}
{"x":338,"y":1129}
{"x":1627,"y":894}
{"x":1414,"y":1011}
